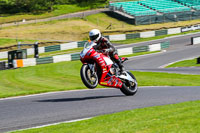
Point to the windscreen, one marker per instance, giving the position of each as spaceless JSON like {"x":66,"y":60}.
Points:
{"x":89,"y":44}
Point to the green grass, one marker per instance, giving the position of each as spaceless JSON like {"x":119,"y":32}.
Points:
{"x":185,"y":63}
{"x":71,"y":30}
{"x":41,"y":78}
{"x":174,"y":118}
{"x":6,"y":41}
{"x":65,"y":9}
{"x":166,"y":79}
{"x":10,"y":41}
{"x":58,"y":10}
{"x":4,"y":59}
{"x":103,"y":20}
{"x":66,"y":76}
{"x":140,"y":53}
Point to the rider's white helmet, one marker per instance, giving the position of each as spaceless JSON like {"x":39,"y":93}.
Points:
{"x":95,"y":35}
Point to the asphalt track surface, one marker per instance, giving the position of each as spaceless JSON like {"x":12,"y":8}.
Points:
{"x":180,"y":49}
{"x":52,"y":108}
{"x":37,"y":110}
{"x":156,"y":61}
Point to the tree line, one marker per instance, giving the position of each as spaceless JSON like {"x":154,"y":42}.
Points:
{"x":37,"y":6}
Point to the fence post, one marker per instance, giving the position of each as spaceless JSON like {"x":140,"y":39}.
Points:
{"x":198,"y":60}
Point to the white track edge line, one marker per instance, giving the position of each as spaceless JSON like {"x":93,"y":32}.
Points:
{"x":53,"y":124}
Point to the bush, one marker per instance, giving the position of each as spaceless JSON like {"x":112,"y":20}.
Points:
{"x":37,"y":6}
{"x":3,"y":6}
{"x":34,"y":6}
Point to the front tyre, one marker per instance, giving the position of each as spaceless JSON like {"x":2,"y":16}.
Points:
{"x":129,"y":88}
{"x":90,"y":80}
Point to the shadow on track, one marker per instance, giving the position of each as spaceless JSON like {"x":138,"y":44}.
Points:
{"x":78,"y":99}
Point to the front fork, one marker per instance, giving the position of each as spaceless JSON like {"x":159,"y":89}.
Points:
{"x":92,"y":68}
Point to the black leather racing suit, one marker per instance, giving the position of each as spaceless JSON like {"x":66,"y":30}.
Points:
{"x":104,"y":44}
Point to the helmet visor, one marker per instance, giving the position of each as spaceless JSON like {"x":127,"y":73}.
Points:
{"x":92,"y":38}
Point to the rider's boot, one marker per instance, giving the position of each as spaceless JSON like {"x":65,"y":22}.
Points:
{"x":119,"y":63}
{"x":122,"y":70}
{"x":121,"y":67}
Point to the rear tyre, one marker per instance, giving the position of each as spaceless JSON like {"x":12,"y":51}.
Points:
{"x":90,"y":80}
{"x":129,"y":88}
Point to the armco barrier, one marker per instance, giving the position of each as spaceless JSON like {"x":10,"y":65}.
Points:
{"x":81,"y":44}
{"x":60,"y":58}
{"x":30,"y":51}
{"x":76,"y":56}
{"x":133,"y":36}
{"x":41,"y":49}
{"x":2,"y":65}
{"x":125,"y":51}
{"x":29,"y":62}
{"x":165,"y":45}
{"x":174,"y":31}
{"x":44,"y":60}
{"x":52,"y":48}
{"x":190,"y":28}
{"x":147,"y":34}
{"x":70,"y":45}
{"x":155,"y":47}
{"x":195,"y":40}
{"x":3,"y":55}
{"x":140,"y":49}
{"x":117,"y":37}
{"x":107,"y":37}
{"x":161,"y":32}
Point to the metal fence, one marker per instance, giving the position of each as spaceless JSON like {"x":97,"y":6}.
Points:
{"x":171,"y":17}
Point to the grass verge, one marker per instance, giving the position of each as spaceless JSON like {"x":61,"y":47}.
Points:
{"x":58,"y":10}
{"x":41,"y":78}
{"x":140,"y":53}
{"x":66,"y":76}
{"x":10,"y":41}
{"x":182,"y":117}
{"x":185,"y":63}
{"x":71,"y":30}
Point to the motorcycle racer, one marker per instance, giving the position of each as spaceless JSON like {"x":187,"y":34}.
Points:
{"x":104,"y":45}
{"x":98,"y":68}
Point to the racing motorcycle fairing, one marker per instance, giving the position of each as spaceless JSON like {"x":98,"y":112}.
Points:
{"x":98,"y":60}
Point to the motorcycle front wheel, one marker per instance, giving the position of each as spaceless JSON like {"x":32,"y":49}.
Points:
{"x":90,"y":80}
{"x":129,"y":88}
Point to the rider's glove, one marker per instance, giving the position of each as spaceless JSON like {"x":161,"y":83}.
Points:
{"x":99,"y":51}
{"x":106,"y":51}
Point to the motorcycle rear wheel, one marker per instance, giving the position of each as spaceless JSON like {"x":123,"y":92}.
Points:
{"x":129,"y":89}
{"x":89,"y":80}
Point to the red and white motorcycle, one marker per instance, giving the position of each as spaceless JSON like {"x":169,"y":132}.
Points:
{"x":98,"y":68}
